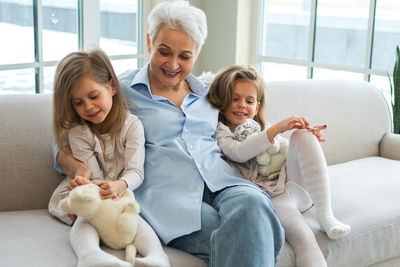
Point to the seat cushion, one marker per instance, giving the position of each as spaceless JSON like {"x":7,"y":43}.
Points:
{"x":366,"y":195}
{"x":35,"y":238}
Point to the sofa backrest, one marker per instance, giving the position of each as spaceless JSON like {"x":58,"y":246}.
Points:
{"x":26,"y":164}
{"x":355,"y":112}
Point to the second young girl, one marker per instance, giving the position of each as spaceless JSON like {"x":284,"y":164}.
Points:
{"x":91,"y":117}
{"x":238,"y":93}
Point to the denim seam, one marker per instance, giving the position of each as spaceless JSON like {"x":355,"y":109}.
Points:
{"x":213,"y":251}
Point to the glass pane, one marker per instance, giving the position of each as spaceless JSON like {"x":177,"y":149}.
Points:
{"x":280,"y":72}
{"x":17,"y":81}
{"x":123,"y":65}
{"x":59,"y":28}
{"x":119,"y":26}
{"x":48,"y":79}
{"x":382,"y":83}
{"x":286,"y":29}
{"x":341,"y":32}
{"x":322,"y":74}
{"x":16,"y":31}
{"x":387,"y":34}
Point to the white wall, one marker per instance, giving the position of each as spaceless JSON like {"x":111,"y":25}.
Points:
{"x":232,"y":33}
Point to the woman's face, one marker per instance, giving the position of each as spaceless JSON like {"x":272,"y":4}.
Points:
{"x":172,"y":56}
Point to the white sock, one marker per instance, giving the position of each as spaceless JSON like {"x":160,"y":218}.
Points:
{"x":86,"y":243}
{"x":148,"y":245}
{"x":313,"y":171}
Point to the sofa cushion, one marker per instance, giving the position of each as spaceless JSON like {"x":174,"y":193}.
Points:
{"x":365,"y":194}
{"x":35,"y":238}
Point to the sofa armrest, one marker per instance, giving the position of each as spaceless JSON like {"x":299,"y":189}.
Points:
{"x":390,"y":146}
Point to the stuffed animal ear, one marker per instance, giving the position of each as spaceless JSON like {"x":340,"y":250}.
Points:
{"x":64,"y":206}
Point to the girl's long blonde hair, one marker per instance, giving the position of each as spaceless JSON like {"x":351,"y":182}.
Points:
{"x":96,"y":65}
{"x":220,"y":94}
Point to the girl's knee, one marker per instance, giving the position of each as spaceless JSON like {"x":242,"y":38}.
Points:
{"x":302,"y":137}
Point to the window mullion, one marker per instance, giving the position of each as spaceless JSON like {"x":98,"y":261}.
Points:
{"x":311,"y":40}
{"x":90,"y":23}
{"x":140,"y":36}
{"x":370,"y":40}
{"x":38,"y":28}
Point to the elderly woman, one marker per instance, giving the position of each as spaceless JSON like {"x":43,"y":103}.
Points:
{"x":191,"y":196}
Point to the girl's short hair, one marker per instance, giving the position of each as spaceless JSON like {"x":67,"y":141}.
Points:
{"x":96,"y":65}
{"x":220,"y":94}
{"x":179,"y":16}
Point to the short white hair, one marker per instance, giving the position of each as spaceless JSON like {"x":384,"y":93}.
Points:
{"x":179,"y":16}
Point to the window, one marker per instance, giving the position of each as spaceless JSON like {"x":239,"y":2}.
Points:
{"x":41,"y":32}
{"x":120,"y":33}
{"x":329,"y":39}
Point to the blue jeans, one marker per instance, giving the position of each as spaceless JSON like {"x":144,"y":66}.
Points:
{"x":239,"y":228}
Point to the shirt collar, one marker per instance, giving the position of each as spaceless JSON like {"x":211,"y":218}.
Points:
{"x":142,"y":77}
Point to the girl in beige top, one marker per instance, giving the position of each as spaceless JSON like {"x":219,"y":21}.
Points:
{"x":238,"y":93}
{"x":89,"y":110}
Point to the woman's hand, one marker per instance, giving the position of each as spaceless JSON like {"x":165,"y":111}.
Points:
{"x":111,"y":189}
{"x":77,"y":181}
{"x":71,"y":166}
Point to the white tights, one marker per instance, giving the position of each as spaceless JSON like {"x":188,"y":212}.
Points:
{"x":306,"y":166}
{"x":86,"y":243}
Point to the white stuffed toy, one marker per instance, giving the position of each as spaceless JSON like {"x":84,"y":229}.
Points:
{"x":270,"y":162}
{"x":115,"y":220}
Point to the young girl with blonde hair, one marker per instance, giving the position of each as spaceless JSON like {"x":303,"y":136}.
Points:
{"x":91,"y":115}
{"x":238,"y":93}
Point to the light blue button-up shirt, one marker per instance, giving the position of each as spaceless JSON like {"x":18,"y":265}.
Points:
{"x":181,"y":154}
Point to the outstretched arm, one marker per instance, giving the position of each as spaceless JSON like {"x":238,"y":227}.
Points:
{"x":294,"y":122}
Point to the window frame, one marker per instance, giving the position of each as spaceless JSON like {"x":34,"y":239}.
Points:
{"x":310,"y":64}
{"x":88,"y":23}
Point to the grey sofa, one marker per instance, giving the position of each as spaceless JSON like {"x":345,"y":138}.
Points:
{"x":363,"y":158}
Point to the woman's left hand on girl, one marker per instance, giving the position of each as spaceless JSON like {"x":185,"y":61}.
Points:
{"x":111,"y":189}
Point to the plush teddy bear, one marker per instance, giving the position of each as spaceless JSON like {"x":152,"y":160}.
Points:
{"x":270,"y":162}
{"x":115,"y":220}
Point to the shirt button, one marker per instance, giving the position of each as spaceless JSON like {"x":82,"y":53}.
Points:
{"x":111,"y":156}
{"x":199,"y":167}
{"x":190,"y":147}
{"x":196,"y":202}
{"x":198,"y":188}
{"x":107,"y":138}
{"x":185,"y":130}
{"x":111,"y":174}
